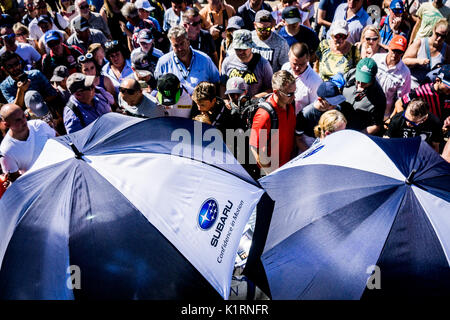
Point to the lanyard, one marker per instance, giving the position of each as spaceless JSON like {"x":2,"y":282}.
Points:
{"x":184,"y":73}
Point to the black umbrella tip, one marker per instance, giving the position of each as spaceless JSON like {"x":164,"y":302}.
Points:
{"x":410,"y":179}
{"x":78,"y":154}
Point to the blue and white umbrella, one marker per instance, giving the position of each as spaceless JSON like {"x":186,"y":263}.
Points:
{"x":357,"y":217}
{"x":126,"y":209}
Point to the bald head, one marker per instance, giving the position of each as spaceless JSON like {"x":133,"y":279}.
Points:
{"x":8,"y":109}
{"x":131,"y":84}
{"x":131,"y":92}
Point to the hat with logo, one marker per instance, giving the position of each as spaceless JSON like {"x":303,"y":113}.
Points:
{"x":397,"y":6}
{"x":34,"y":101}
{"x":78,"y":81}
{"x":242,"y":39}
{"x":139,"y":62}
{"x":169,"y":90}
{"x":144,"y":4}
{"x":263,"y":16}
{"x":329,"y":91}
{"x":291,"y":15}
{"x":81,"y":25}
{"x":236,"y":85}
{"x":339,"y":27}
{"x":235,"y":22}
{"x":51,"y":35}
{"x":444,"y":74}
{"x":44,"y":18}
{"x":398,"y":42}
{"x":145,"y":35}
{"x":59,"y":73}
{"x":366,"y":70}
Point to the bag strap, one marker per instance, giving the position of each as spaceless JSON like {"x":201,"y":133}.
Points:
{"x":427,"y":49}
{"x":72,"y":106}
{"x":271,"y":110}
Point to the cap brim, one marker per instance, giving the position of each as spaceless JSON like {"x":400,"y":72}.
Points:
{"x":143,"y":73}
{"x":39,"y":109}
{"x":363,"y":77}
{"x":337,"y":100}
{"x":89,"y":81}
{"x":51,"y":39}
{"x":145,"y":40}
{"x":233,"y":26}
{"x":292,"y":20}
{"x":339,"y":31}
{"x":56,"y":78}
{"x":234,"y":91}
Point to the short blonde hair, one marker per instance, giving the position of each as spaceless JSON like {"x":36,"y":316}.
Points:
{"x":282,"y":79}
{"x":329,"y":121}
{"x":20,"y":27}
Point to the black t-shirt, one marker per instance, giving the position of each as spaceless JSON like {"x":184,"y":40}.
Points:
{"x":429,"y":131}
{"x":205,"y":43}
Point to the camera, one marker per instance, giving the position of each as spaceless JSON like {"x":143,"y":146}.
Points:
{"x":221,"y":28}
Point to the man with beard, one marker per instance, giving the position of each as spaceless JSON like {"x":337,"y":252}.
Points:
{"x":269,"y":44}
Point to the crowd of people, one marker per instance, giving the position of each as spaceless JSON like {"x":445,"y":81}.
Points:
{"x":303,"y":69}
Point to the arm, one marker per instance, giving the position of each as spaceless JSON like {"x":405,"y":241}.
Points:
{"x":415,"y":29}
{"x":410,"y":57}
{"x":301,"y":143}
{"x":20,"y":95}
{"x":321,"y":18}
{"x":263,"y":166}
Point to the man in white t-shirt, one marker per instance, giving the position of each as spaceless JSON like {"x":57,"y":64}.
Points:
{"x":24,"y":50}
{"x":23,"y":142}
{"x":307,"y":81}
{"x":173,"y":96}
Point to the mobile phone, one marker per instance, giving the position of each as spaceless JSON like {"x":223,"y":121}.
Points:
{"x":23,"y":77}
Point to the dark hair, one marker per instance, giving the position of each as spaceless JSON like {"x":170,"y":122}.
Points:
{"x":418,"y":107}
{"x":6,"y":56}
{"x":115,"y":48}
{"x":98,"y":68}
{"x":299,"y":49}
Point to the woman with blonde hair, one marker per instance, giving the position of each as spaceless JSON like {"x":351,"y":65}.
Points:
{"x":22,"y":34}
{"x":426,"y":54}
{"x":330,"y":122}
{"x":370,"y":43}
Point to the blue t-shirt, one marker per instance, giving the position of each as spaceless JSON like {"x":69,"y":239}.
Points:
{"x":329,"y":6}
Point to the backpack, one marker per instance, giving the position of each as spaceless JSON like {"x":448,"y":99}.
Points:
{"x":248,"y":110}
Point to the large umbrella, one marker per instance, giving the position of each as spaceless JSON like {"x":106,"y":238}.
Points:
{"x":356,"y":216}
{"x":126,"y":209}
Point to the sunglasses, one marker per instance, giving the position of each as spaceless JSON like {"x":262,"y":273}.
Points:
{"x":127,"y":91}
{"x":415,"y":124}
{"x":267,"y":29}
{"x":21,"y":34}
{"x":441,"y":35}
{"x":86,"y":6}
{"x":111,"y":44}
{"x":340,"y":36}
{"x":87,"y":57}
{"x":288,"y":94}
{"x":52,"y":44}
{"x":194,"y":24}
{"x":372,"y":39}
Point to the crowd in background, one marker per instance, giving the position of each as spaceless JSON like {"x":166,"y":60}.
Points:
{"x":379,"y":67}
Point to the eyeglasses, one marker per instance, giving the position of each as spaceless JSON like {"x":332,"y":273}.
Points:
{"x":288,"y":94}
{"x":111,"y":44}
{"x":372,"y":39}
{"x":194,"y":24}
{"x":127,"y":91}
{"x":87,"y":57}
{"x":441,"y":35}
{"x":267,"y":29}
{"x":415,"y":124}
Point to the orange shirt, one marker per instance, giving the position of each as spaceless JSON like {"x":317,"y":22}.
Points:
{"x":282,"y":140}
{"x":217,"y":16}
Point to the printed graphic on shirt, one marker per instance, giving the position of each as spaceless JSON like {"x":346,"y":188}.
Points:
{"x":411,"y":133}
{"x":266,"y":53}
{"x":248,"y":76}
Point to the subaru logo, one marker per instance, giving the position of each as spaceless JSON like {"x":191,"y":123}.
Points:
{"x":208,"y":214}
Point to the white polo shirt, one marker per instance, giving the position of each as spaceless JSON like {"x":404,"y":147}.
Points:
{"x":307,"y":84}
{"x":395,"y":82}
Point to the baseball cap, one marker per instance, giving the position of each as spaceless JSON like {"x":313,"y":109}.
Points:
{"x":242,"y":39}
{"x":81,"y":24}
{"x":144,"y":4}
{"x":145,"y":35}
{"x":263,"y":16}
{"x":34,"y":101}
{"x":59,"y":73}
{"x":398,"y":42}
{"x":140,"y":64}
{"x":329,"y":91}
{"x":366,"y":70}
{"x":235,"y":22}
{"x":236,"y":85}
{"x":444,"y":74}
{"x":77,"y":81}
{"x":291,"y":15}
{"x":397,"y":6}
{"x":51,"y":35}
{"x":169,"y":90}
{"x":339,"y":27}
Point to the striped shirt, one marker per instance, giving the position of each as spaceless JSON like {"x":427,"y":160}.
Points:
{"x":439,"y":103}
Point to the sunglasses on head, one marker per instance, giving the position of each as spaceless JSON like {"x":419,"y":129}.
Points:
{"x":111,"y":44}
{"x":127,"y":91}
{"x":87,"y":57}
